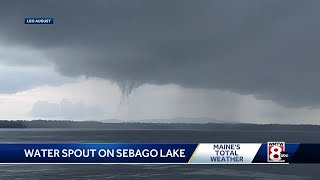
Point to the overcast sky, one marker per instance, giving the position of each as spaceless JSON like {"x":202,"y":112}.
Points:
{"x":251,"y":61}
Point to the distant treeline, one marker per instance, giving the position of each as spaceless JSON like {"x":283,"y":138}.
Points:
{"x":137,"y":125}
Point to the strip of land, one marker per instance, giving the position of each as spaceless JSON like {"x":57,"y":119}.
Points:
{"x":137,"y":125}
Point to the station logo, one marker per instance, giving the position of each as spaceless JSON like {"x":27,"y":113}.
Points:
{"x":276,"y":152}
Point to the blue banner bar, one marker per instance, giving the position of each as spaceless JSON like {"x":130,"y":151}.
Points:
{"x":96,"y":153}
{"x":203,"y":153}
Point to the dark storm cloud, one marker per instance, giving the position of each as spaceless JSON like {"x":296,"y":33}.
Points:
{"x":266,"y":48}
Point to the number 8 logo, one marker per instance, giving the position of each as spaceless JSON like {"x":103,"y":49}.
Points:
{"x":275,"y":153}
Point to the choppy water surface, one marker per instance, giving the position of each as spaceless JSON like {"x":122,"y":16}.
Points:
{"x":185,"y":172}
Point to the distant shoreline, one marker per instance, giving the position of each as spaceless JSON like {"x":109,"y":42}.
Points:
{"x":144,"y":125}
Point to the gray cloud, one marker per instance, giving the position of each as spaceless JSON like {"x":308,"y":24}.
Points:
{"x":16,"y":79}
{"x":17,"y":56}
{"x":266,"y":48}
{"x":66,"y":110}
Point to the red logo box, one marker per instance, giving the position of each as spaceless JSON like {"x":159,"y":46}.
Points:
{"x":275,"y":150}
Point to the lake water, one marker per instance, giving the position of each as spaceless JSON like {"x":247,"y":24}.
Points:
{"x":185,"y":172}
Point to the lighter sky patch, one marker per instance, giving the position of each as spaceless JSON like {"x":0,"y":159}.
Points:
{"x":150,"y":102}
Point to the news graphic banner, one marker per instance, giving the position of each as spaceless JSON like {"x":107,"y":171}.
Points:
{"x":203,"y":153}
